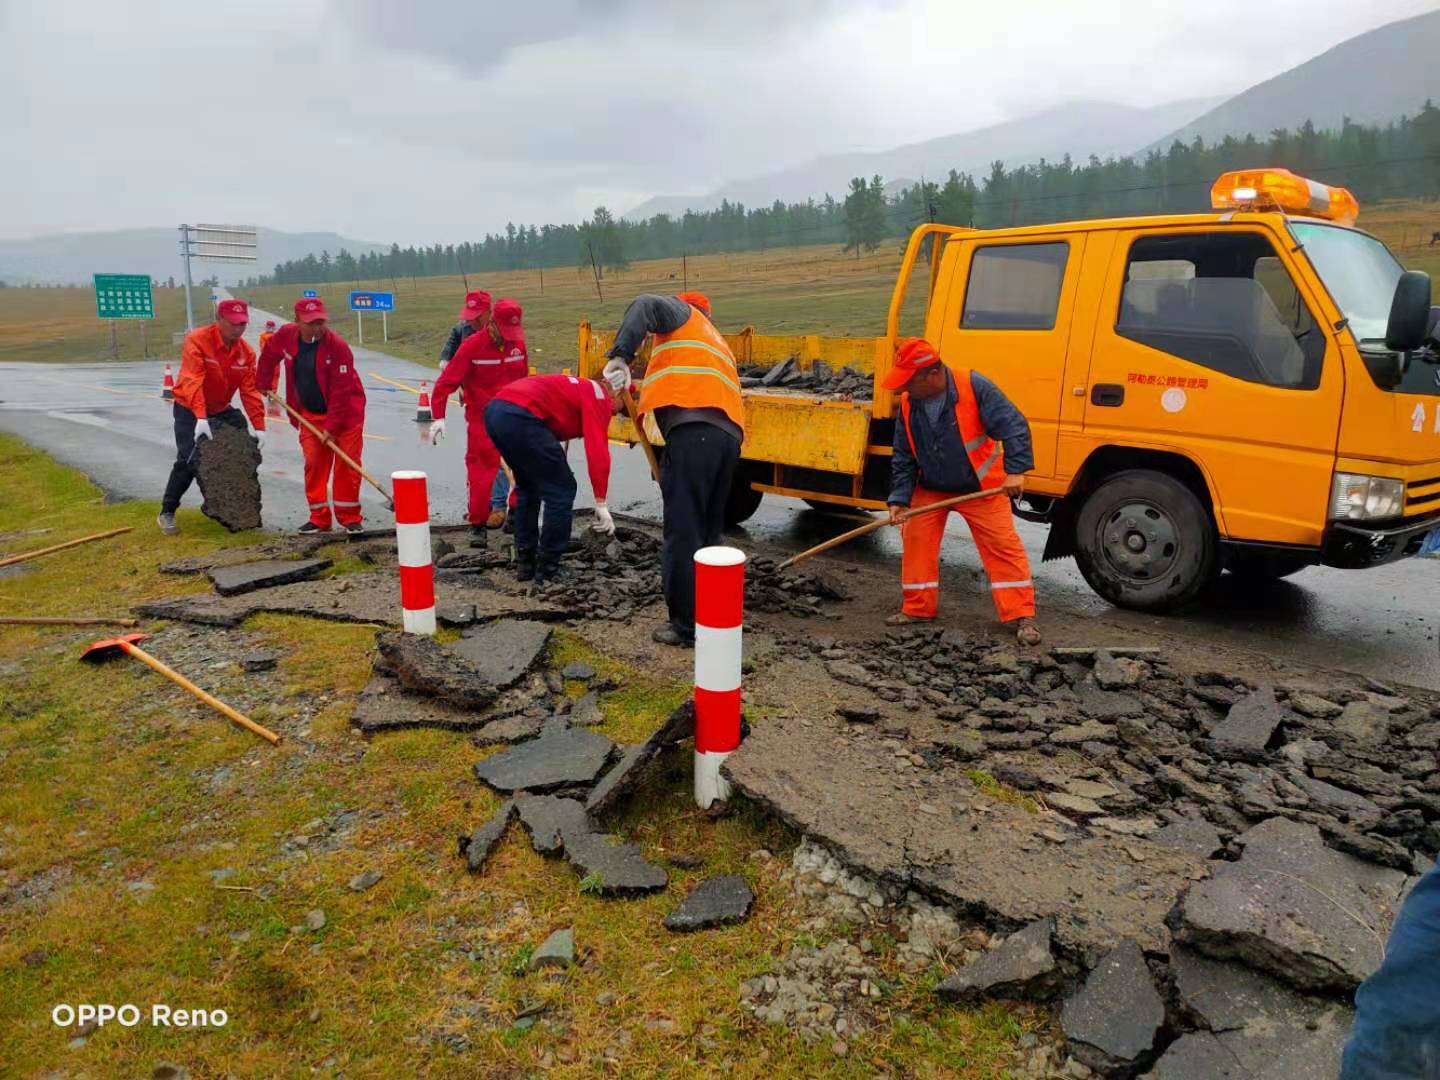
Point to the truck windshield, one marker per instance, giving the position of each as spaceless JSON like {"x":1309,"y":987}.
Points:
{"x":1358,"y":270}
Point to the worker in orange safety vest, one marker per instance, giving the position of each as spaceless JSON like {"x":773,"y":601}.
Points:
{"x":949,"y":435}
{"x":692,"y":388}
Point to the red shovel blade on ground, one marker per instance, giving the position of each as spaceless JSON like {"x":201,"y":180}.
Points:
{"x":125,"y":643}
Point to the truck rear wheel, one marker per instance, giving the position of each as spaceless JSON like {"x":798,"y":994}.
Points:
{"x":744,"y":500}
{"x":1143,"y":540}
{"x":1265,"y":565}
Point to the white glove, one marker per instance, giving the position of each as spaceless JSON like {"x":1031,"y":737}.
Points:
{"x":259,"y":436}
{"x":617,"y":374}
{"x":604,"y":523}
{"x":437,"y":431}
{"x":202,"y":429}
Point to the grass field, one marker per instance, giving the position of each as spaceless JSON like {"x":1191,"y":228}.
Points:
{"x":150,"y":852}
{"x":817,"y":290}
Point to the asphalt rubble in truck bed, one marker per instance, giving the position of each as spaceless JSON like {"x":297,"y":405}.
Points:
{"x":819,"y":379}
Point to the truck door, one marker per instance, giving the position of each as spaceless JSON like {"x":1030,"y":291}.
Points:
{"x":1207,"y":345}
{"x":1008,"y":314}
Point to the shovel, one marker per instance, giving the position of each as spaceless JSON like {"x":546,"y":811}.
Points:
{"x":108,"y":647}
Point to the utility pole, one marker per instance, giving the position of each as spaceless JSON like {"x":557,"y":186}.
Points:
{"x":185,"y":251}
{"x":596,"y":269}
{"x":685,"y":269}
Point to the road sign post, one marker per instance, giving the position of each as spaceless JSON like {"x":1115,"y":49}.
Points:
{"x":361,"y":302}
{"x":220,"y":243}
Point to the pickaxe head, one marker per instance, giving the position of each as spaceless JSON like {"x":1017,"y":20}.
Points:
{"x":110,"y":646}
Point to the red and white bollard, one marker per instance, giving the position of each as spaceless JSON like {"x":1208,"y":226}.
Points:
{"x":719,"y":624}
{"x":422,"y":407}
{"x":167,"y":388}
{"x":412,"y":538}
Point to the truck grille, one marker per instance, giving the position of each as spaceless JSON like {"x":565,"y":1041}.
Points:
{"x":1422,"y":496}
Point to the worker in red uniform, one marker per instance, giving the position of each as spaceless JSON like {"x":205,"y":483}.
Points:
{"x":215,"y":362}
{"x":949,"y":435}
{"x":271,"y":409}
{"x":527,"y":421}
{"x":486,"y":361}
{"x":475,"y":315}
{"x":322,"y":385}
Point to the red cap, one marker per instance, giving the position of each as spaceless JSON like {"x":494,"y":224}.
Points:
{"x":507,"y":320}
{"x":269,"y":324}
{"x":233,"y":311}
{"x":477,"y":303}
{"x":695,"y":299}
{"x":309,"y":309}
{"x":911,"y":355}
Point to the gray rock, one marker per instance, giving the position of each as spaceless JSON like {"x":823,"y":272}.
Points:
{"x":315,"y":920}
{"x":1315,"y":917}
{"x":1106,"y":705}
{"x":1363,"y":722}
{"x":858,"y":714}
{"x":247,"y":577}
{"x":426,"y":668}
{"x":1074,"y":804}
{"x":1194,"y":835}
{"x":717,"y":901}
{"x":558,"y":759}
{"x":1112,"y":673}
{"x":551,"y":821}
{"x":618,"y":869}
{"x":847,"y":672}
{"x":227,"y":470}
{"x":367,"y":880}
{"x":1424,"y":737}
{"x":1251,"y":721}
{"x":1337,"y":798}
{"x":586,"y":711}
{"x":1314,"y":706}
{"x":503,"y":652}
{"x":260,"y":661}
{"x":479,"y":845}
{"x":558,"y":950}
{"x":1113,"y":1019}
{"x":1023,"y":967}
{"x":1077,"y":734}
{"x":577,"y":670}
{"x":455,"y":614}
{"x":517,"y":727}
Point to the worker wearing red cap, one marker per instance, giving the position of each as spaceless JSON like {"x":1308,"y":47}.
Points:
{"x":527,"y":421}
{"x":692,"y":388}
{"x":322,"y":385}
{"x":949,"y":436}
{"x":215,"y":362}
{"x":267,"y":333}
{"x":486,"y":361}
{"x":475,"y":315}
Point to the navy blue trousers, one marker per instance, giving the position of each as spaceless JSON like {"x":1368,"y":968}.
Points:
{"x":542,"y":477}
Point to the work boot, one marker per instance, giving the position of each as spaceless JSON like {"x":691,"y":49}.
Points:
{"x":353,"y":528}
{"x":668,"y":635}
{"x":310,"y":528}
{"x":167,"y":524}
{"x":548,"y":569}
{"x":479,"y":537}
{"x":495,"y":520}
{"x":524,"y":565}
{"x":1027,"y":633}
{"x":901,"y":619}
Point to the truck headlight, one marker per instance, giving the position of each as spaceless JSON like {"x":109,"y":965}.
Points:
{"x":1365,"y":498}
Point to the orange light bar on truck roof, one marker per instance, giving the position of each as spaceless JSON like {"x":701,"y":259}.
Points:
{"x":1280,"y":189}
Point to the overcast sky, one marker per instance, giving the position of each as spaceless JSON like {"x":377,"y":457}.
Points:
{"x":420,"y":121}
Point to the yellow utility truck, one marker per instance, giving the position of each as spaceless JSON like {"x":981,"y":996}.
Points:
{"x":1253,"y":389}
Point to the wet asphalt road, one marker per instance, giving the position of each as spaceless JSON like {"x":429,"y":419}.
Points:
{"x":109,"y":421}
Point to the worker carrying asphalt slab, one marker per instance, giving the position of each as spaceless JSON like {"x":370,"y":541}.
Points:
{"x":958,"y":433}
{"x":476,"y":314}
{"x":321,"y":385}
{"x":486,"y":362}
{"x":215,"y":363}
{"x":693,"y":389}
{"x":527,"y":421}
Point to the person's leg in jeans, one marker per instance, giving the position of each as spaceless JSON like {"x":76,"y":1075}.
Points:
{"x":1397,"y":1010}
{"x":699,"y":457}
{"x":182,"y":473}
{"x":500,"y":494}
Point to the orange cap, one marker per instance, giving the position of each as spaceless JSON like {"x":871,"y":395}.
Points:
{"x":695,"y":299}
{"x":911,"y":355}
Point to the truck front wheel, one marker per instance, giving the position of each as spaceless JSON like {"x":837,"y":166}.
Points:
{"x":1143,"y":540}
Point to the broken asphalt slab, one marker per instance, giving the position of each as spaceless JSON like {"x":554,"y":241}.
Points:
{"x":503,"y":652}
{"x":227,"y":468}
{"x":723,"y":900}
{"x":368,"y":597}
{"x":281,"y":547}
{"x":478,"y":846}
{"x":622,"y":779}
{"x":1313,"y":916}
{"x":1113,"y":1019}
{"x":1020,"y":967}
{"x":558,"y":759}
{"x":385,"y":705}
{"x":247,"y":577}
{"x":1251,"y":722}
{"x":425,"y":667}
{"x":560,"y":826}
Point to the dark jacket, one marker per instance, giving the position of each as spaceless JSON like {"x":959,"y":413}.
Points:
{"x":458,"y":333}
{"x":944,"y":465}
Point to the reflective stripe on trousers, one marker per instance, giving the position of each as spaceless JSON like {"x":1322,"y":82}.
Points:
{"x":992,"y":525}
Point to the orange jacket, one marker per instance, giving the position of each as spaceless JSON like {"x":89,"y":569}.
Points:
{"x":265,"y":335}
{"x":210,"y":374}
{"x":693,"y":368}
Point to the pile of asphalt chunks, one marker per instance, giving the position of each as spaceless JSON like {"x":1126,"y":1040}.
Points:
{"x":822,"y":379}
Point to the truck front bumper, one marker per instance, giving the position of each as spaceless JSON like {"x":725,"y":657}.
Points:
{"x":1354,"y":547}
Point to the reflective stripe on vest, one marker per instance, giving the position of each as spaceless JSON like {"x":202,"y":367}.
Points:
{"x":983,"y":451}
{"x":693,"y":368}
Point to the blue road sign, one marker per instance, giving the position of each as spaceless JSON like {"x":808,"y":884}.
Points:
{"x":372,"y":301}
{"x":309,"y":294}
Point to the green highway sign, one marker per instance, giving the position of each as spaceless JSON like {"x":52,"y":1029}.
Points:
{"x":123,"y":296}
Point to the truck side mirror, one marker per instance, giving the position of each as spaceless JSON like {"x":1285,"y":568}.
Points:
{"x":1409,"y":312}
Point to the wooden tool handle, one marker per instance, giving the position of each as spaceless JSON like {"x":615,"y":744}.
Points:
{"x":209,"y":699}
{"x":870,"y":527}
{"x":640,"y":434}
{"x":45,"y":620}
{"x":325,"y":438}
{"x":61,"y":547}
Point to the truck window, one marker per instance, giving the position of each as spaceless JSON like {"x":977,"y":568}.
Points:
{"x":1225,"y":301}
{"x":1014,"y":287}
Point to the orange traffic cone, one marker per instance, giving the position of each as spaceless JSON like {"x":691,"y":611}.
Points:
{"x":167,"y":392}
{"x":422,"y":409}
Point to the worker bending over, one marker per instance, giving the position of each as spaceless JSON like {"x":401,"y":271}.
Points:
{"x":475,"y":315}
{"x":486,"y":361}
{"x":322,"y":385}
{"x":945,"y":445}
{"x":527,"y":421}
{"x":693,"y":389}
{"x":215,"y":362}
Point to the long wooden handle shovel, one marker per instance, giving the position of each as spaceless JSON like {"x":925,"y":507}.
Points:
{"x":26,"y":556}
{"x":126,"y":643}
{"x":629,"y":403}
{"x":870,"y":527}
{"x":325,"y":438}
